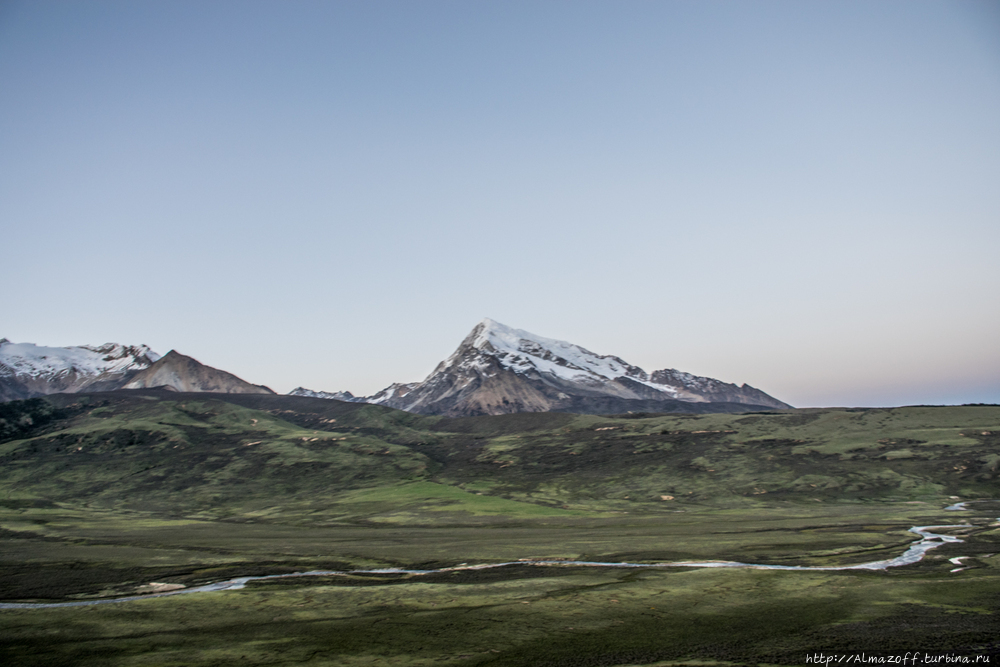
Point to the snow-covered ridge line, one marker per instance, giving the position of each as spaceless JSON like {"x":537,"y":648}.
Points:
{"x":334,"y":395}
{"x":37,"y":361}
{"x":29,"y":371}
{"x":522,"y":349}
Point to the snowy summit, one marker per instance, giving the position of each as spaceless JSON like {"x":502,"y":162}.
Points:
{"x":498,"y":369}
{"x":526,"y":353}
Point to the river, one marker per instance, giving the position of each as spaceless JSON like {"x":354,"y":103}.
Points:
{"x":913,"y":554}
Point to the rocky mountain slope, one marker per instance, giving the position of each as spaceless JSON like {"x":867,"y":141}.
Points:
{"x":181,"y":373}
{"x":500,"y":370}
{"x":28,"y":370}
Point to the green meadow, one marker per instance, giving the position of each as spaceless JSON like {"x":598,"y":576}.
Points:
{"x":103,"y":495}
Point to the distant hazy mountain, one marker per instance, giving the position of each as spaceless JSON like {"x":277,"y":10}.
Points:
{"x":28,"y":370}
{"x":499,"y":370}
{"x":335,"y":395}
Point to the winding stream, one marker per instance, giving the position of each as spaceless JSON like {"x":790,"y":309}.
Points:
{"x":913,"y":554}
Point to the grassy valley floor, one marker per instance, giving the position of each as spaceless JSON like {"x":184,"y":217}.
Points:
{"x":104,"y":496}
{"x":517,"y":615}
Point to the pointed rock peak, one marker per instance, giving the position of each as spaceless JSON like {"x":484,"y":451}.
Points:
{"x":520,"y":351}
{"x":174,"y":359}
{"x":486,"y":329}
{"x":489,"y":324}
{"x":171,"y":357}
{"x":3,"y":341}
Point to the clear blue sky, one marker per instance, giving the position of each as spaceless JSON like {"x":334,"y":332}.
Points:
{"x":803,"y":196}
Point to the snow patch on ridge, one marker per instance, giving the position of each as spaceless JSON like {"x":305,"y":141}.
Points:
{"x":394,"y":391}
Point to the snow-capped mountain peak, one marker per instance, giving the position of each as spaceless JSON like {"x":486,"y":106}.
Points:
{"x":526,"y":353}
{"x":499,"y":369}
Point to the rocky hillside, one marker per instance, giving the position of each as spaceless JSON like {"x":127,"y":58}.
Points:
{"x":181,"y":373}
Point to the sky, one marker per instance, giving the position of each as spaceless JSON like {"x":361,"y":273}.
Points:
{"x":802,"y":196}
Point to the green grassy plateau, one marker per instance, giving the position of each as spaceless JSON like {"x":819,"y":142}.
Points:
{"x":102,"y":495}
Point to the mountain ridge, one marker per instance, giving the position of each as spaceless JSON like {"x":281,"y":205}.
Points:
{"x":497,"y":369}
{"x":28,"y":370}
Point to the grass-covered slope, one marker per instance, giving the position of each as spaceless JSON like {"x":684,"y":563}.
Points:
{"x":229,"y":455}
{"x":185,"y":455}
{"x":807,"y":455}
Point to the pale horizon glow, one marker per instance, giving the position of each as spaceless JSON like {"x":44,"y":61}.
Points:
{"x":798,"y":196}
